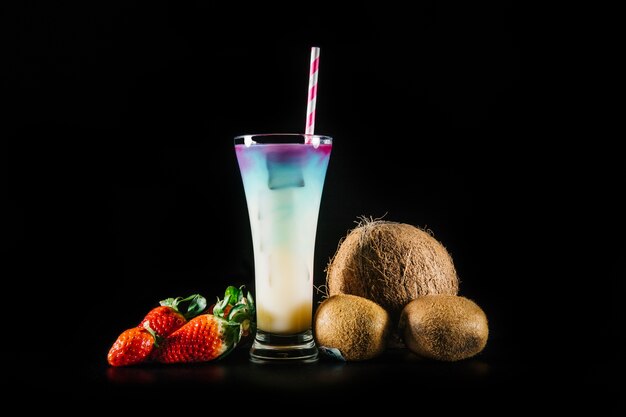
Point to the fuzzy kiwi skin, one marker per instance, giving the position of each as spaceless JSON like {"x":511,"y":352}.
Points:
{"x":358,"y":327}
{"x":444,"y":327}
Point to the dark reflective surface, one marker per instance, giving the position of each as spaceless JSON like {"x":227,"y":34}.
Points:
{"x":398,"y":370}
{"x":398,"y":378}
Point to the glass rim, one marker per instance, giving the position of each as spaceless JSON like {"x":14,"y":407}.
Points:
{"x":282,"y":138}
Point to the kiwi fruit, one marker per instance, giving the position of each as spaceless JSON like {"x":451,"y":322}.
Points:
{"x":444,"y":327}
{"x":391,"y":264}
{"x":359,"y":328}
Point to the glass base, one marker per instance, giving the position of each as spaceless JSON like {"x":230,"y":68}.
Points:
{"x":273,"y":348}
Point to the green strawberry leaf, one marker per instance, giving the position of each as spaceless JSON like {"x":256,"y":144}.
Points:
{"x":171,"y":302}
{"x":250,"y":302}
{"x":234,"y":293}
{"x":218,"y":309}
{"x":239,"y":313}
{"x":195,"y":304}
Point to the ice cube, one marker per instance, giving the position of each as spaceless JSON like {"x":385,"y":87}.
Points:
{"x":285,"y":170}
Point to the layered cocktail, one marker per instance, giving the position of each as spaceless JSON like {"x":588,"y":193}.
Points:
{"x":283,"y":178}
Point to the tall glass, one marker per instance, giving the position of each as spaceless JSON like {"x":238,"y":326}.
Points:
{"x":283,"y":177}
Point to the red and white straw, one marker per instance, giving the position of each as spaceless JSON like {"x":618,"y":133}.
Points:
{"x":310,"y":112}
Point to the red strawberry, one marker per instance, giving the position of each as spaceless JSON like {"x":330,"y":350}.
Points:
{"x":211,"y":336}
{"x":167,"y":318}
{"x":164,"y":320}
{"x":136,"y":345}
{"x":132,"y":347}
{"x":204,"y":338}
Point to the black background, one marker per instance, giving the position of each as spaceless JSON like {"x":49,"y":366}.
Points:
{"x":123,"y":189}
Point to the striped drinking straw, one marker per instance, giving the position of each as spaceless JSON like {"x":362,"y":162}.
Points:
{"x":310,"y":112}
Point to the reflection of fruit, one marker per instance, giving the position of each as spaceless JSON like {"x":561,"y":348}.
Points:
{"x":204,"y":338}
{"x":167,"y":318}
{"x":131,"y":375}
{"x":391,"y":264}
{"x":357,"y":327}
{"x":444,"y":327}
{"x":132,"y":347}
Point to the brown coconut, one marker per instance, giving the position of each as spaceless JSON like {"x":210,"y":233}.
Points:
{"x":391,"y":264}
